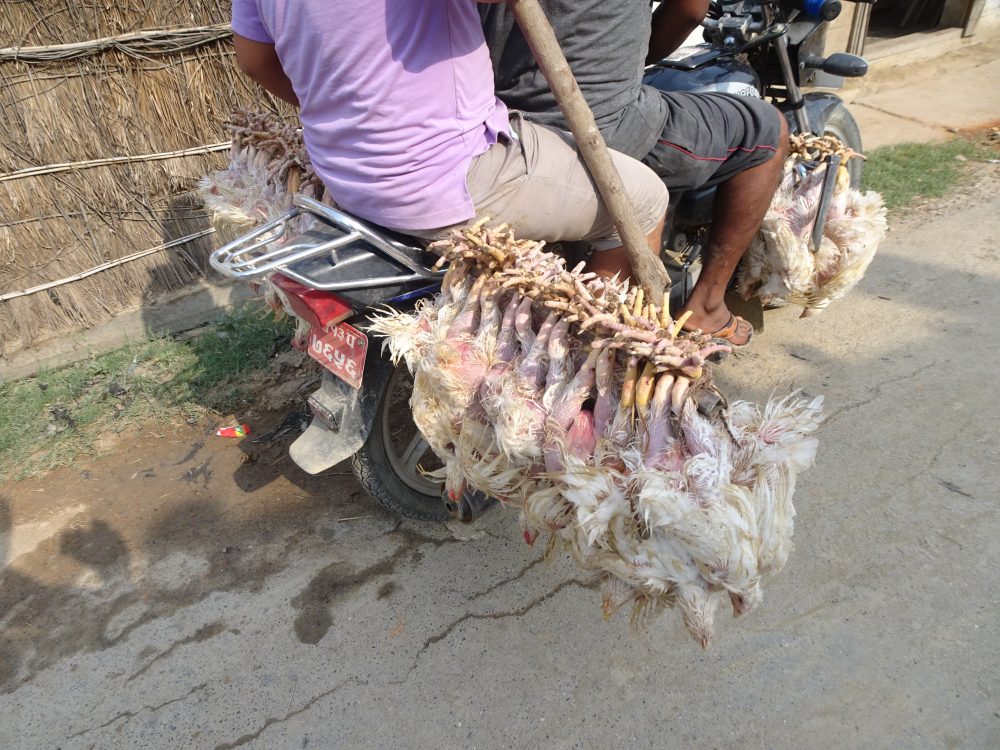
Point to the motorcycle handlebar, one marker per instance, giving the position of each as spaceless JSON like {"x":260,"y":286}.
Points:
{"x":825,"y":10}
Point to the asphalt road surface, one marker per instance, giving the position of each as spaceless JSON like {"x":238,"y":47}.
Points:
{"x":177,"y":594}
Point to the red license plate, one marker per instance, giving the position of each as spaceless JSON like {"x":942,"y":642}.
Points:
{"x":341,"y":350}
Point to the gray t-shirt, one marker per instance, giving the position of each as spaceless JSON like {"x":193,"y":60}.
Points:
{"x":605,"y":42}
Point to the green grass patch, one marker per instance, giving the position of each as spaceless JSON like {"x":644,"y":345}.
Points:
{"x":49,"y":419}
{"x":908,"y":171}
{"x":237,"y":344}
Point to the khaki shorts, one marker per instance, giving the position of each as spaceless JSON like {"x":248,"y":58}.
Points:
{"x":539,"y":185}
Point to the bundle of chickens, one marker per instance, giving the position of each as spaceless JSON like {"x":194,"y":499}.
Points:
{"x":587,"y":406}
{"x":781,"y":264}
{"x":268,"y":164}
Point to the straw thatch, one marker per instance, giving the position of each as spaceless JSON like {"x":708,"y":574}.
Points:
{"x":39,"y":23}
{"x":127,"y":104}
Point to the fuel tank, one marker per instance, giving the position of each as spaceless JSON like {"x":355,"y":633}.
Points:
{"x":703,"y":68}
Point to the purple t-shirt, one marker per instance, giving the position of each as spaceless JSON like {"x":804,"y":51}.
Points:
{"x":396,"y":99}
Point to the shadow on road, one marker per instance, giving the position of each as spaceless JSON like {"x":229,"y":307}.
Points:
{"x":151,"y":530}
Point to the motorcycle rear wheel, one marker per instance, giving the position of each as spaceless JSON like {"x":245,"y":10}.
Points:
{"x":391,"y":465}
{"x":841,"y":124}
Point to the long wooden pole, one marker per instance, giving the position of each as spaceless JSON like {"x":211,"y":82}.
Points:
{"x":646,"y":267}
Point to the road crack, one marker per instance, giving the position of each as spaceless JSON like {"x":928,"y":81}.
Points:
{"x":498,"y":537}
{"x":203,"y":633}
{"x":898,"y":116}
{"x":519,"y":612}
{"x":130,"y":714}
{"x":952,"y":487}
{"x":278,"y":720}
{"x":875,"y":393}
{"x":520,"y":574}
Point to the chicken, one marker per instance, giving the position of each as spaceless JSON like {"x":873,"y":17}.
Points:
{"x":781,"y":264}
{"x":579,"y":402}
{"x":268,"y":164}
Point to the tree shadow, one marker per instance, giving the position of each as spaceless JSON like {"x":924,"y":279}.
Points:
{"x":205,"y":298}
{"x":45,"y":617}
{"x":90,"y":585}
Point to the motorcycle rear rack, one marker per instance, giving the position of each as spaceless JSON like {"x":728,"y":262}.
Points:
{"x":253,"y":255}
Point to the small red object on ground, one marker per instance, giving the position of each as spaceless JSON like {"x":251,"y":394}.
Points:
{"x":237,"y":431}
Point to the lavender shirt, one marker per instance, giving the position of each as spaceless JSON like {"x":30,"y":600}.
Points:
{"x":397,"y":98}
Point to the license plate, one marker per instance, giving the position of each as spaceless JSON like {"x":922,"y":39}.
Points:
{"x":341,"y":350}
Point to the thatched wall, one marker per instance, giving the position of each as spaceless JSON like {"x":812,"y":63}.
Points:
{"x":123,"y":99}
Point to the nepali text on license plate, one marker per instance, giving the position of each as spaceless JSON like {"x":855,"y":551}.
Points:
{"x":341,"y":350}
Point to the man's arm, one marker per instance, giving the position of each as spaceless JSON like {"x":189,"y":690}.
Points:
{"x":673,"y":22}
{"x":259,"y":61}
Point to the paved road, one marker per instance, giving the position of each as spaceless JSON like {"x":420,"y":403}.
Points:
{"x":173,"y":596}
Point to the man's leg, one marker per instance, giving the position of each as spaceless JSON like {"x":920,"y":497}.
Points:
{"x":738,"y":144}
{"x":540,"y":186}
{"x":614,"y":261}
{"x":740,"y":205}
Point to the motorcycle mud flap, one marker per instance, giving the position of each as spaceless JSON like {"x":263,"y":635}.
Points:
{"x":342,"y":417}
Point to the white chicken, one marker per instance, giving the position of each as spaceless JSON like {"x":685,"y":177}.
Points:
{"x":780,"y":263}
{"x":268,"y":164}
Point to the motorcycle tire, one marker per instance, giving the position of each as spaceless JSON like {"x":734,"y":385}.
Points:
{"x":841,"y":124}
{"x":388,"y":466}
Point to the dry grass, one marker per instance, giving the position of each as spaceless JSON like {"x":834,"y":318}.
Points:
{"x":103,"y":105}
{"x":65,"y":21}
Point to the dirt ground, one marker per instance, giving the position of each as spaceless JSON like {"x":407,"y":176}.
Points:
{"x":193,"y":591}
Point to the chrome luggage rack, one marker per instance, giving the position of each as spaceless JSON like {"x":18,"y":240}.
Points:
{"x":253,"y":255}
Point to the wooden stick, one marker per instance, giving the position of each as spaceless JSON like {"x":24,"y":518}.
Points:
{"x":105,"y":266}
{"x":71,"y":166}
{"x":646,"y":267}
{"x":163,"y":40}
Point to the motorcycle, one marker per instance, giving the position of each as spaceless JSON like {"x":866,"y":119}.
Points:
{"x":765,"y":49}
{"x":335,"y":274}
{"x":331,"y":277}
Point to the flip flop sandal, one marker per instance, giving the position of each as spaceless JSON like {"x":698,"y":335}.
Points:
{"x":724,"y":334}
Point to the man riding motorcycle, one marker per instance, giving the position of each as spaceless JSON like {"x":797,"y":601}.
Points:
{"x":690,"y":140}
{"x":401,"y":124}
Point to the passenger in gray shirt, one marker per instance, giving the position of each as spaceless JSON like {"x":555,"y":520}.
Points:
{"x":690,"y":140}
